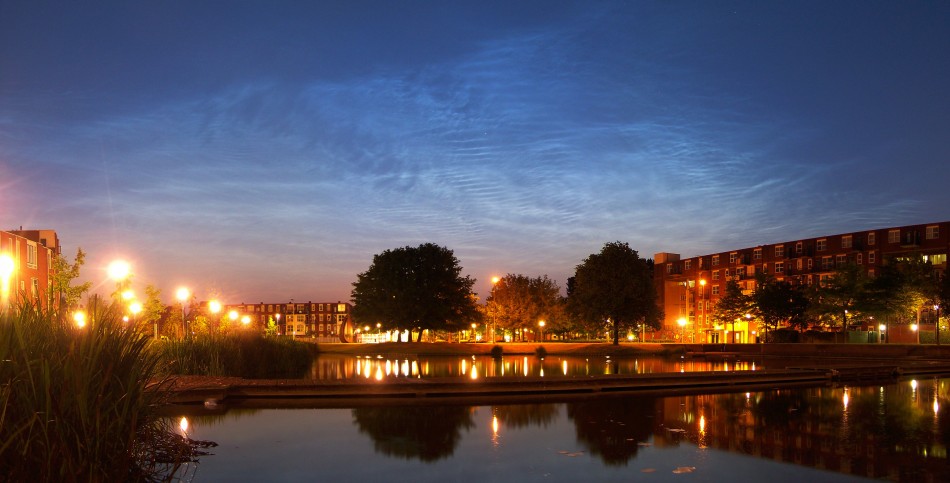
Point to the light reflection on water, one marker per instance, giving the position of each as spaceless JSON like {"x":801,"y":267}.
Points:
{"x":895,"y":432}
{"x":333,"y":367}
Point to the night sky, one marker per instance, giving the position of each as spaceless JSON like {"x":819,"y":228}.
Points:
{"x":265,"y":151}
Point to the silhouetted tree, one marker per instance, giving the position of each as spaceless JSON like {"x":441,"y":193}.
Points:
{"x":615,"y":285}
{"x":414,"y":288}
{"x":613,"y":428}
{"x":427,"y":433}
{"x":778,"y":302}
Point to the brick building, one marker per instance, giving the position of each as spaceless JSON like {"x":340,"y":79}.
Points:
{"x":689,"y":289}
{"x":325,"y":321}
{"x":26,"y":266}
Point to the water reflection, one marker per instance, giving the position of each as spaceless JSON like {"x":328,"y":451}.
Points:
{"x":898,"y":432}
{"x":335,"y":367}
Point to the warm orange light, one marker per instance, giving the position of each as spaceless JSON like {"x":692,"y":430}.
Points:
{"x":128,"y":295}
{"x":80,"y":319}
{"x":182,"y":294}
{"x":119,"y":270}
{"x":6,"y":266}
{"x":214,"y":306}
{"x":135,"y":308}
{"x":233,"y":315}
{"x":702,"y":282}
{"x":495,"y":280}
{"x":245,"y":320}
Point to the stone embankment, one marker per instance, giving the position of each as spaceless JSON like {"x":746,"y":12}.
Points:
{"x":809,"y":365}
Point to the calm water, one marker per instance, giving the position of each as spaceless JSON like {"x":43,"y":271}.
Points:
{"x":896,"y":432}
{"x":330,"y":367}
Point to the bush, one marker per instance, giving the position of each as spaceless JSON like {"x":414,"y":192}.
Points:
{"x":496,"y":351}
{"x":784,"y":335}
{"x":80,"y":404}
{"x":540,"y":351}
{"x":244,"y":355}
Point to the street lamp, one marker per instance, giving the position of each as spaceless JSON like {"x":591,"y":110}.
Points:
{"x":702,"y":304}
{"x":491,"y":331}
{"x":937,"y":311}
{"x":682,"y":323}
{"x":182,"y":295}
{"x":80,"y":319}
{"x":233,"y":315}
{"x":215,"y":307}
{"x":473,"y":331}
{"x":541,"y":329}
{"x":882,"y":328}
{"x":119,"y":270}
{"x":915,"y":327}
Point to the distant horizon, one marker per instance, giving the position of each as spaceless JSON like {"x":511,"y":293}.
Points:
{"x":267,"y":151}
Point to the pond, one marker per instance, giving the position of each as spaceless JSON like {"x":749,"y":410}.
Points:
{"x":896,"y":432}
{"x":334,"y":367}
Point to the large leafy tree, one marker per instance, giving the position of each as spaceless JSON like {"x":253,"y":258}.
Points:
{"x":732,"y":306}
{"x":778,"y":302}
{"x":414,"y":288}
{"x":615,"y":285}
{"x":520,"y":302}
{"x":63,"y":293}
{"x":842,"y":296}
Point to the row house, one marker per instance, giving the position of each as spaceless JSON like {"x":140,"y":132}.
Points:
{"x":326,"y":320}
{"x":26,"y":266}
{"x":688,"y":289}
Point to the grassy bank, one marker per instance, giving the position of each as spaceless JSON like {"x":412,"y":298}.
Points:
{"x":507,"y":348}
{"x":80,"y":403}
{"x":249,"y":356}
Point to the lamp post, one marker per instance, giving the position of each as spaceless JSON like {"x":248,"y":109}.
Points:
{"x":182,"y":295}
{"x":494,"y":282}
{"x":682,"y":323}
{"x":937,"y":326}
{"x":915,"y":328}
{"x":134,"y":308}
{"x":541,"y":330}
{"x":702,"y":304}
{"x":881,"y":328}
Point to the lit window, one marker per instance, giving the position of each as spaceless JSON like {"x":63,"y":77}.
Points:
{"x":821,"y":245}
{"x":798,"y":264}
{"x":733,"y":257}
{"x":846,"y":241}
{"x":779,"y":251}
{"x":341,"y":308}
{"x":893,"y":236}
{"x":933,"y":232}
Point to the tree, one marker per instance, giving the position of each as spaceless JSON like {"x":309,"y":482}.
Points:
{"x":63,"y":294}
{"x":615,"y":285}
{"x":520,"y":302}
{"x":779,"y":302}
{"x":842,"y":295}
{"x":414,"y":288}
{"x":733,"y":305}
{"x":153,"y":310}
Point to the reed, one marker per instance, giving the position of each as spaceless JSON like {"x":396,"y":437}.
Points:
{"x":243,"y":355}
{"x":80,"y":404}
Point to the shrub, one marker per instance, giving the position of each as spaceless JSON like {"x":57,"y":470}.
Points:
{"x":80,"y":404}
{"x":496,"y":351}
{"x":540,"y":351}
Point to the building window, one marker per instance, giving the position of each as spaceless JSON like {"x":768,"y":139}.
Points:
{"x":740,"y":272}
{"x":779,"y":251}
{"x":846,"y":241}
{"x":687,"y":264}
{"x":715,"y":290}
{"x":893,"y":236}
{"x":871,"y":273}
{"x":765,"y":268}
{"x":870,"y":258}
{"x":36,"y":288}
{"x":860,"y":259}
{"x":841,"y":260}
{"x":321,"y":307}
{"x":757,"y":254}
{"x":31,"y":255}
{"x":821,"y":245}
{"x":872,"y":238}
{"x":779,"y":267}
{"x":715,"y":260}
{"x":733,"y":257}
{"x":933,"y":232}
{"x":826,"y":263}
{"x":715,"y":275}
{"x":798,"y":248}
{"x":341,"y":308}
{"x":726,"y":274}
{"x":810,"y":263}
{"x":669,"y":268}
{"x":798,"y":264}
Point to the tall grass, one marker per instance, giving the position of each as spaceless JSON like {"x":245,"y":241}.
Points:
{"x":79,"y":404}
{"x":243,"y":355}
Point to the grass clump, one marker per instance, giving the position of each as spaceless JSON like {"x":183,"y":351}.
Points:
{"x":80,"y":403}
{"x":243,"y":355}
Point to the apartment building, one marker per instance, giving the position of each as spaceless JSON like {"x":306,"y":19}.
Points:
{"x":688,"y":289}
{"x":26,"y":266}
{"x":325,"y":321}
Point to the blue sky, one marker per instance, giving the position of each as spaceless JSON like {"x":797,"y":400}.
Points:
{"x":265,"y":151}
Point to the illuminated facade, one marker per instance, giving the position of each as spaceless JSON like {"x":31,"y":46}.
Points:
{"x":26,"y":266}
{"x":688,"y":289}
{"x":324,"y":321}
